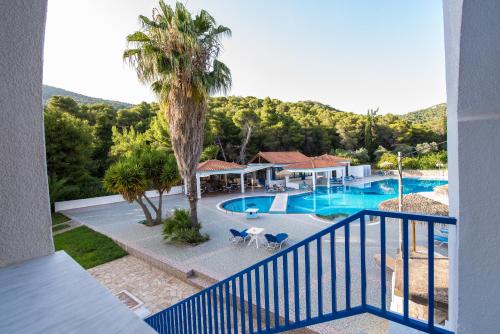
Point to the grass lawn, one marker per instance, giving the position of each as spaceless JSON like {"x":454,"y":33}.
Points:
{"x":58,"y":218}
{"x":88,"y":247}
{"x":59,"y":227}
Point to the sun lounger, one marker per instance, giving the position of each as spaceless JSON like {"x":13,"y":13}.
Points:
{"x":275,"y":242}
{"x":237,"y":236}
{"x":441,"y":239}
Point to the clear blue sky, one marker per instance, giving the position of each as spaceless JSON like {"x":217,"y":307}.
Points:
{"x":351,"y":54}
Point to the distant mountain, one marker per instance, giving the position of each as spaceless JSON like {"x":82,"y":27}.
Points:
{"x":428,"y":115}
{"x":49,"y":91}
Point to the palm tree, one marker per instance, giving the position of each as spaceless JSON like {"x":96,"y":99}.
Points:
{"x":59,"y":189}
{"x":176,"y":54}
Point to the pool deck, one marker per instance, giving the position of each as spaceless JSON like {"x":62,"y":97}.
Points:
{"x":218,"y":258}
{"x":279,"y":204}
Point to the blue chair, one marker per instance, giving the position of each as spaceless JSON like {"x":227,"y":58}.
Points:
{"x":441,"y":239}
{"x":275,"y":242}
{"x":444,"y":230}
{"x":237,"y":236}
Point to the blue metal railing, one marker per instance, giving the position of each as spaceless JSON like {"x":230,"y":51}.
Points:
{"x":249,"y":301}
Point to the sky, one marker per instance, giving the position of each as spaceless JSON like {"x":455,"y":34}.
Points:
{"x":351,"y":54}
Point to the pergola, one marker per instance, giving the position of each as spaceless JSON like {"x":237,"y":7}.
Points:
{"x":319,"y":165}
{"x":219,"y":167}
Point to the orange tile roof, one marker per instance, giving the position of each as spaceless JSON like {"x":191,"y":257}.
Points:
{"x":335,"y":158}
{"x":281,"y":157}
{"x":217,"y":165}
{"x":314,"y":164}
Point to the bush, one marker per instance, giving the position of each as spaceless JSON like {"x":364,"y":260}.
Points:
{"x":411,"y":163}
{"x":178,"y":228}
{"x":387,"y":158}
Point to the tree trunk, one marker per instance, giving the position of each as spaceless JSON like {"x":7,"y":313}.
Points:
{"x":221,"y":149}
{"x":147,"y":214}
{"x":185,"y":111}
{"x":155,"y":209}
{"x":159,"y":211}
{"x":193,"y":200}
{"x":243,"y":148}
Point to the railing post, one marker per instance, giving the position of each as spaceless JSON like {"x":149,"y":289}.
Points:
{"x":347,"y":269}
{"x":257,"y":299}
{"x":320,"y":276}
{"x":276,"y":295}
{"x":307,"y":281}
{"x":266,"y":297}
{"x":363,"y":259}
{"x":242,"y":305}
{"x":235,"y":307}
{"x":333,"y":270}
{"x":250,"y":304}
{"x":406,"y":260}
{"x":383,"y":265}
{"x":285,"y":289}
{"x":430,"y":271}
{"x":296,"y":285}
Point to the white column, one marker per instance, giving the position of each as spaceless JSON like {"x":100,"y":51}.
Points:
{"x":328,"y":177}
{"x":314,"y":180}
{"x":25,"y":226}
{"x":343,"y":176}
{"x":268,"y":176}
{"x":242,"y":180}
{"x":472,"y":72}
{"x":198,"y":186}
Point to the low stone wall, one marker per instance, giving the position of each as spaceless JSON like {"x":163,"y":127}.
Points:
{"x":86,"y":202}
{"x":443,"y":173}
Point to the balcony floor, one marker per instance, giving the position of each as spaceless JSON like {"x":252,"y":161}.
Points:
{"x":53,"y":294}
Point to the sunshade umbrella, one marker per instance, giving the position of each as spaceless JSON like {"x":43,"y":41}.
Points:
{"x":283,"y":172}
{"x":386,"y":164}
{"x":415,"y":203}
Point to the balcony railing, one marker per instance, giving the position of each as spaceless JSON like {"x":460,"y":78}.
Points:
{"x":308,"y":283}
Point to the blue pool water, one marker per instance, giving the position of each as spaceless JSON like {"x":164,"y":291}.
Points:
{"x":263,"y":203}
{"x":337,"y":200}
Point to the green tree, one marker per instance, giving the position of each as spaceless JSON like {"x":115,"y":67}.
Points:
{"x":127,"y":143}
{"x":246,"y":120}
{"x":176,"y":54}
{"x":134,"y":174}
{"x":69,"y":144}
{"x":370,"y":131}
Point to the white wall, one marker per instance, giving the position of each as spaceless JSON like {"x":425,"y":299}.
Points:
{"x":25,"y":227}
{"x":472,"y":35}
{"x":86,"y":202}
{"x":360,"y":170}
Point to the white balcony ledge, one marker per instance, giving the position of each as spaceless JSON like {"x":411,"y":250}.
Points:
{"x":53,"y":294}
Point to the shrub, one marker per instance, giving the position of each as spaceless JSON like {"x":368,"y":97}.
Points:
{"x":411,"y":163}
{"x":178,"y":227}
{"x":387,"y":158}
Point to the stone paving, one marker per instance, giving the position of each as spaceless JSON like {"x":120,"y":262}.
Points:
{"x":155,"y":288}
{"x":219,"y":259}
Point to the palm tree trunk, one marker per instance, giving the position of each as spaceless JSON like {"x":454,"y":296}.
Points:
{"x":186,"y":120}
{"x":193,"y":200}
{"x":147,"y":214}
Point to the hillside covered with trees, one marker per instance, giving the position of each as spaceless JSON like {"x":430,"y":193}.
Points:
{"x":82,"y":140}
{"x":49,"y":91}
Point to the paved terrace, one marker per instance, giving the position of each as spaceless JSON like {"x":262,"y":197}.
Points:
{"x":218,"y":259}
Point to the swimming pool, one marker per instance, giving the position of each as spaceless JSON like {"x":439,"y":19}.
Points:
{"x":337,"y":200}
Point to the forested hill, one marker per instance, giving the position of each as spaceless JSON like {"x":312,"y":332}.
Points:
{"x":83,"y":140}
{"x":427,"y":115}
{"x":49,"y":91}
